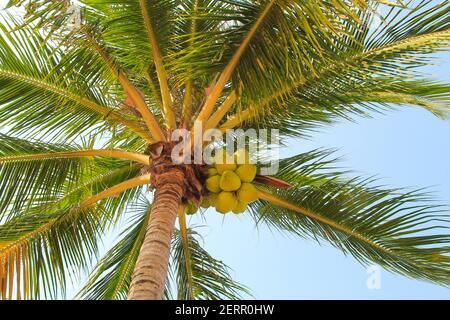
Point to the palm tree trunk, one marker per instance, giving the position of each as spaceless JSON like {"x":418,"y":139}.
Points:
{"x":150,"y":272}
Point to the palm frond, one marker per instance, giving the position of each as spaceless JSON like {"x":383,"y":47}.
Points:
{"x":148,"y":17}
{"x":212,"y":98}
{"x":139,"y":102}
{"x":370,"y":67}
{"x":41,"y":92}
{"x":397,"y":230}
{"x":50,"y":239}
{"x":210,"y":277}
{"x":304,"y":113}
{"x":46,"y":245}
{"x":26,"y":180}
{"x":112,"y":276}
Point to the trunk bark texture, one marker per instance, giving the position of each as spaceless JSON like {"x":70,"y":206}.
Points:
{"x":150,"y":273}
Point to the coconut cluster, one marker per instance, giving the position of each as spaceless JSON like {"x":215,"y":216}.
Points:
{"x":230,"y":184}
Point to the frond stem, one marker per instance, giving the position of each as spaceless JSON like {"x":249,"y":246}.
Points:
{"x":89,"y":104}
{"x":186,"y":250}
{"x":187,"y":100}
{"x":287,"y":205}
{"x":160,"y":70}
{"x":217,"y":116}
{"x":228,"y":71}
{"x":113,"y":153}
{"x":115,"y":190}
{"x":130,"y":89}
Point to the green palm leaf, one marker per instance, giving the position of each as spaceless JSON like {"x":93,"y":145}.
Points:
{"x":23,"y":182}
{"x":112,"y":276}
{"x":54,"y":235}
{"x":371,"y":62}
{"x":45,"y":93}
{"x":211,"y":278}
{"x":391,"y":228}
{"x":46,"y":246}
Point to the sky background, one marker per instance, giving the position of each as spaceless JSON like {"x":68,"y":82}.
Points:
{"x":407,"y":148}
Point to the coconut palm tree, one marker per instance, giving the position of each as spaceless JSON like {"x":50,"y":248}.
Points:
{"x":89,"y":100}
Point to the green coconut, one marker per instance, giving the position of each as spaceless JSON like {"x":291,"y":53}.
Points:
{"x":213,"y":184}
{"x":230,"y":181}
{"x":191,"y":208}
{"x":212,"y":172}
{"x":226,"y":202}
{"x":247,"y":172}
{"x":213,"y":199}
{"x":247,"y":193}
{"x":206,"y":203}
{"x":241,"y":207}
